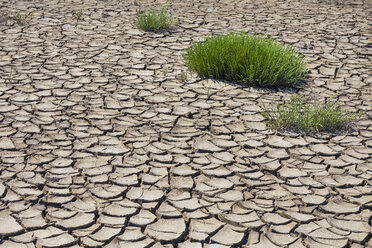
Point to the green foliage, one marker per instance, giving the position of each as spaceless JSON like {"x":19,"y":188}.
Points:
{"x":10,"y":77}
{"x":247,"y":59}
{"x":298,"y":113}
{"x":153,"y":21}
{"x":183,"y":77}
{"x":20,"y":19}
{"x":78,"y":14}
{"x":4,"y":17}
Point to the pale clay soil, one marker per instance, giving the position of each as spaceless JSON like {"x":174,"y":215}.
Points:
{"x":103,"y":142}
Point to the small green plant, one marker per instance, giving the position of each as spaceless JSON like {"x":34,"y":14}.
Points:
{"x":164,"y":72}
{"x":209,"y":92}
{"x":17,"y":18}
{"x":301,"y":114}
{"x":183,"y":77}
{"x":247,"y":59}
{"x":4,"y":17}
{"x":10,"y":77}
{"x":79,"y":14}
{"x":153,"y":21}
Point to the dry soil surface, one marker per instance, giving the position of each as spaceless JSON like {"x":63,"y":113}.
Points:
{"x":105,"y":143}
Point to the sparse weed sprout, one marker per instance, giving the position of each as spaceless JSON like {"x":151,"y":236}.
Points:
{"x":183,"y":77}
{"x":23,"y":19}
{"x":302,"y":115}
{"x":10,"y":77}
{"x":153,"y":21}
{"x":17,"y":18}
{"x":4,"y":17}
{"x":78,"y":14}
{"x":253,"y":60}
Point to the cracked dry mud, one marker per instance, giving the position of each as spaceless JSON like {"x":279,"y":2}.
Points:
{"x":102,"y":144}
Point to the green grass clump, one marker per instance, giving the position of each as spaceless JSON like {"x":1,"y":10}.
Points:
{"x":78,"y":14}
{"x":154,"y":21}
{"x":20,"y":19}
{"x":300,"y":114}
{"x":249,"y":59}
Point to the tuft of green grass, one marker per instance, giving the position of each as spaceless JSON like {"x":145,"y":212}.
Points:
{"x":183,"y":77}
{"x":153,"y":21}
{"x":253,"y":60}
{"x":78,"y":14}
{"x":301,"y":114}
{"x":20,"y":19}
{"x":4,"y":17}
{"x":10,"y":77}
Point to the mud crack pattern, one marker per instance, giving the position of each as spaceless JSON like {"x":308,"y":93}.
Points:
{"x":104,"y":144}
